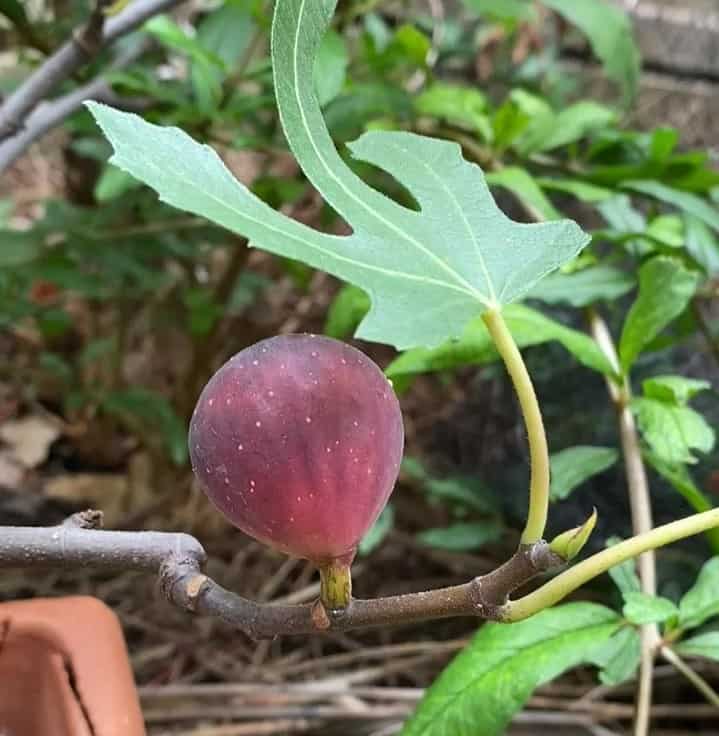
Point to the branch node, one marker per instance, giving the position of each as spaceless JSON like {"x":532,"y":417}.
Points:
{"x":320,"y":618}
{"x":88,"y":519}
{"x":181,"y":581}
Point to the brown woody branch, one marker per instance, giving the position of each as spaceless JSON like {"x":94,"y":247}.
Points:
{"x":84,"y":44}
{"x":179,"y":558}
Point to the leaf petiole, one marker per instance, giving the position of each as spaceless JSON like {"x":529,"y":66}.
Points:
{"x":538,"y":451}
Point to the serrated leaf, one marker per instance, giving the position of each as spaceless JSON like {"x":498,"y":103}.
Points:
{"x":641,"y":608}
{"x":475,"y":346}
{"x":702,"y":244}
{"x":677,"y":389}
{"x":672,"y":432}
{"x":619,"y":657}
{"x":571,"y":467}
{"x":609,"y":33}
{"x":485,"y":685}
{"x":428,"y":272}
{"x":462,"y":537}
{"x":702,"y":645}
{"x":701,"y":601}
{"x":665,"y":288}
{"x":584,"y":287}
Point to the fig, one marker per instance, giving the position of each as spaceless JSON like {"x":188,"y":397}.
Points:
{"x":297,"y":440}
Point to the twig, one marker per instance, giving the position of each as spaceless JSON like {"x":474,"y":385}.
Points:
{"x":179,"y":557}
{"x":694,"y":677}
{"x":71,"y":56}
{"x":641,"y":509}
{"x":50,"y":114}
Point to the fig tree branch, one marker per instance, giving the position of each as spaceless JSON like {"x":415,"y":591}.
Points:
{"x":178,"y":558}
{"x":85,"y":43}
{"x":48,"y":115}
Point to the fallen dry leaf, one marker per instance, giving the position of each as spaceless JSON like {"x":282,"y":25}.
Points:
{"x":30,"y":438}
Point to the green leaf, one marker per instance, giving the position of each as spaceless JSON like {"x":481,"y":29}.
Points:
{"x":581,"y":288}
{"x":462,"y":537}
{"x":378,"y":531}
{"x":620,"y":656}
{"x":690,"y":203}
{"x":640,"y":609}
{"x":677,"y":389}
{"x":701,"y":601}
{"x":505,"y":10}
{"x":665,"y":288}
{"x":672,"y":432}
{"x":487,"y":683}
{"x":17,"y":248}
{"x":144,"y":407}
{"x":475,"y":346}
{"x":347,"y":310}
{"x":521,"y":183}
{"x":702,"y":244}
{"x":702,"y":645}
{"x":571,"y":467}
{"x":460,"y":105}
{"x":609,"y":33}
{"x":624,"y":575}
{"x":113,"y":182}
{"x":428,"y":272}
{"x":545,"y":133}
{"x":14,"y":12}
{"x":330,"y":69}
{"x":582,"y":190}
{"x":679,"y":476}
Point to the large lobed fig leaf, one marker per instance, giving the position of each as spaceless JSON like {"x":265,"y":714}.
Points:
{"x":428,"y":272}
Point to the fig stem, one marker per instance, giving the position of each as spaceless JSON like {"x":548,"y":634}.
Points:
{"x":569,"y":580}
{"x":335,"y":585}
{"x":538,"y":450}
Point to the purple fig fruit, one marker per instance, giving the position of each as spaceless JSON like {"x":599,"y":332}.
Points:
{"x":298,"y":441}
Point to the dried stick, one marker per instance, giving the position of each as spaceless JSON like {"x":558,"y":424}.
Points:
{"x":85,"y":43}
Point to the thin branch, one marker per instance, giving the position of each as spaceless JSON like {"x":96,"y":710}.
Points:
{"x":49,"y":115}
{"x":694,"y":677}
{"x":72,"y":55}
{"x":641,"y":508}
{"x":179,"y":559}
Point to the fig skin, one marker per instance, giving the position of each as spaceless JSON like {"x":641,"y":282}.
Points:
{"x":297,"y":440}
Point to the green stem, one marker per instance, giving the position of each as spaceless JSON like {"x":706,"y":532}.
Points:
{"x":575,"y":577}
{"x":538,"y":451}
{"x":335,"y":585}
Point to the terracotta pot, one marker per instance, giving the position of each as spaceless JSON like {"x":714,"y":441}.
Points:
{"x":64,"y":670}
